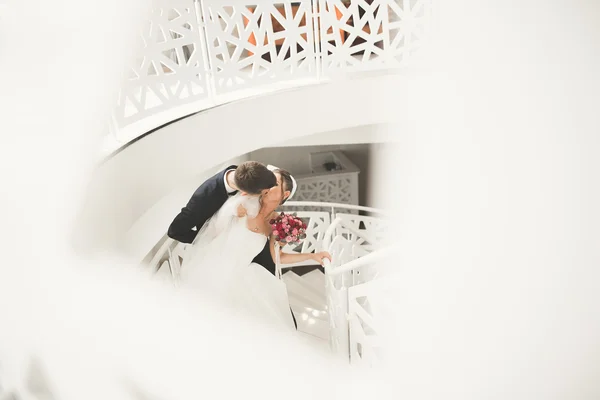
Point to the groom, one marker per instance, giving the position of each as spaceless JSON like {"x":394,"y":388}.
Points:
{"x":252,"y":178}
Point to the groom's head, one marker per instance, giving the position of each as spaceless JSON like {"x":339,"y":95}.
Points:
{"x":254,"y":178}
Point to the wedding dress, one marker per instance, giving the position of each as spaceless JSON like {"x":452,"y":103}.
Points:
{"x":219,"y":267}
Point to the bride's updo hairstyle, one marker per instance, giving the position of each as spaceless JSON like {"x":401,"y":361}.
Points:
{"x":288,"y":183}
{"x":253,"y":177}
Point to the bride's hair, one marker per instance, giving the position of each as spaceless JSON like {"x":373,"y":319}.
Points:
{"x":286,"y":180}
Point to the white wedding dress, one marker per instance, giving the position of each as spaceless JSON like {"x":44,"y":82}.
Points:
{"x":219,"y":267}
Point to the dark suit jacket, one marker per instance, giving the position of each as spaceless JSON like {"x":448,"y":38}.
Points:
{"x":205,"y":202}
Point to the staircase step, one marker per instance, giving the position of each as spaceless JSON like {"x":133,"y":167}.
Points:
{"x":313,"y":326}
{"x":302,"y":301}
{"x":316,"y":278}
{"x":317,"y":342}
{"x":300,"y":308}
{"x":303,"y":287}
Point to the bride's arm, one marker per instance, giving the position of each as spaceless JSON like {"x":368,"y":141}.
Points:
{"x":286,"y":258}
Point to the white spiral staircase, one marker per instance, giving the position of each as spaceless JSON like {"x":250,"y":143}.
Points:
{"x":330,"y":305}
{"x":499,"y":269}
{"x":196,"y":55}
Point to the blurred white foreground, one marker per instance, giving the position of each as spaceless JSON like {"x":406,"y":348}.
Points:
{"x":71,"y":328}
{"x":493,"y":294}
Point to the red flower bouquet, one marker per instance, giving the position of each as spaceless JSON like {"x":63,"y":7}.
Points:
{"x":288,"y":229}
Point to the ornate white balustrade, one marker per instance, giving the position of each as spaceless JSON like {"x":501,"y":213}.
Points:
{"x":350,"y":279}
{"x":171,"y":254}
{"x":196,"y":54}
{"x":355,"y":243}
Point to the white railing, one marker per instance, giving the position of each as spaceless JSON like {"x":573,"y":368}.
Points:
{"x":333,"y":206}
{"x":348,"y":282}
{"x":357,"y":245}
{"x":197,"y":54}
{"x":171,"y":254}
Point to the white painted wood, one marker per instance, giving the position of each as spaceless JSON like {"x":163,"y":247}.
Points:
{"x":390,"y":31}
{"x":170,"y":69}
{"x":196,"y":54}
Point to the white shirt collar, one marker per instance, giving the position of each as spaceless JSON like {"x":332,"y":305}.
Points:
{"x":227,"y":187}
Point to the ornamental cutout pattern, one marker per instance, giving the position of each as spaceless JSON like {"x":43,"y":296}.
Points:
{"x":259,"y":43}
{"x":171,"y":69}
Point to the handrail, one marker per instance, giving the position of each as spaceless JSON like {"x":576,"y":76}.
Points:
{"x":359,"y":262}
{"x":161,"y":251}
{"x":332,"y":205}
{"x":329,"y":232}
{"x":326,"y":238}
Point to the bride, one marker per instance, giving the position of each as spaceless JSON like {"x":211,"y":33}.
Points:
{"x":220,"y":268}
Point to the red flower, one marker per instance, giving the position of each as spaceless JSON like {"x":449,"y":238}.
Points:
{"x":288,"y":228}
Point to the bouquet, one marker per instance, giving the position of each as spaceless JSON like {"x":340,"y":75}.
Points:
{"x":288,"y":229}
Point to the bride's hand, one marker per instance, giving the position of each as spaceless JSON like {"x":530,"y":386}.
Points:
{"x":321,"y":256}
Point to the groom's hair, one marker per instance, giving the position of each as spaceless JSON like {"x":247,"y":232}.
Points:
{"x":253,"y":177}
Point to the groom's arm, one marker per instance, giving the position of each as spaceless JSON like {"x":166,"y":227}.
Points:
{"x":204,"y":204}
{"x":182,"y":227}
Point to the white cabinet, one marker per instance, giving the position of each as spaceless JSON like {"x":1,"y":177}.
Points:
{"x":334,"y":179}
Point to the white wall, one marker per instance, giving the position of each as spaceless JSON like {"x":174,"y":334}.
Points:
{"x":131,"y":183}
{"x":296,"y":160}
{"x":152,"y":225}
{"x":359,"y":134}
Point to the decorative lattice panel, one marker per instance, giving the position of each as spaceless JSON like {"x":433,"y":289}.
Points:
{"x":335,"y":188}
{"x":373,"y":232}
{"x":195,"y":54}
{"x":365,"y":273}
{"x":337,"y":309}
{"x":364,"y":340}
{"x":259,"y":42}
{"x":341,"y":252}
{"x":371,"y":34}
{"x":350,"y":312}
{"x":171,"y":69}
{"x":407,"y":27}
